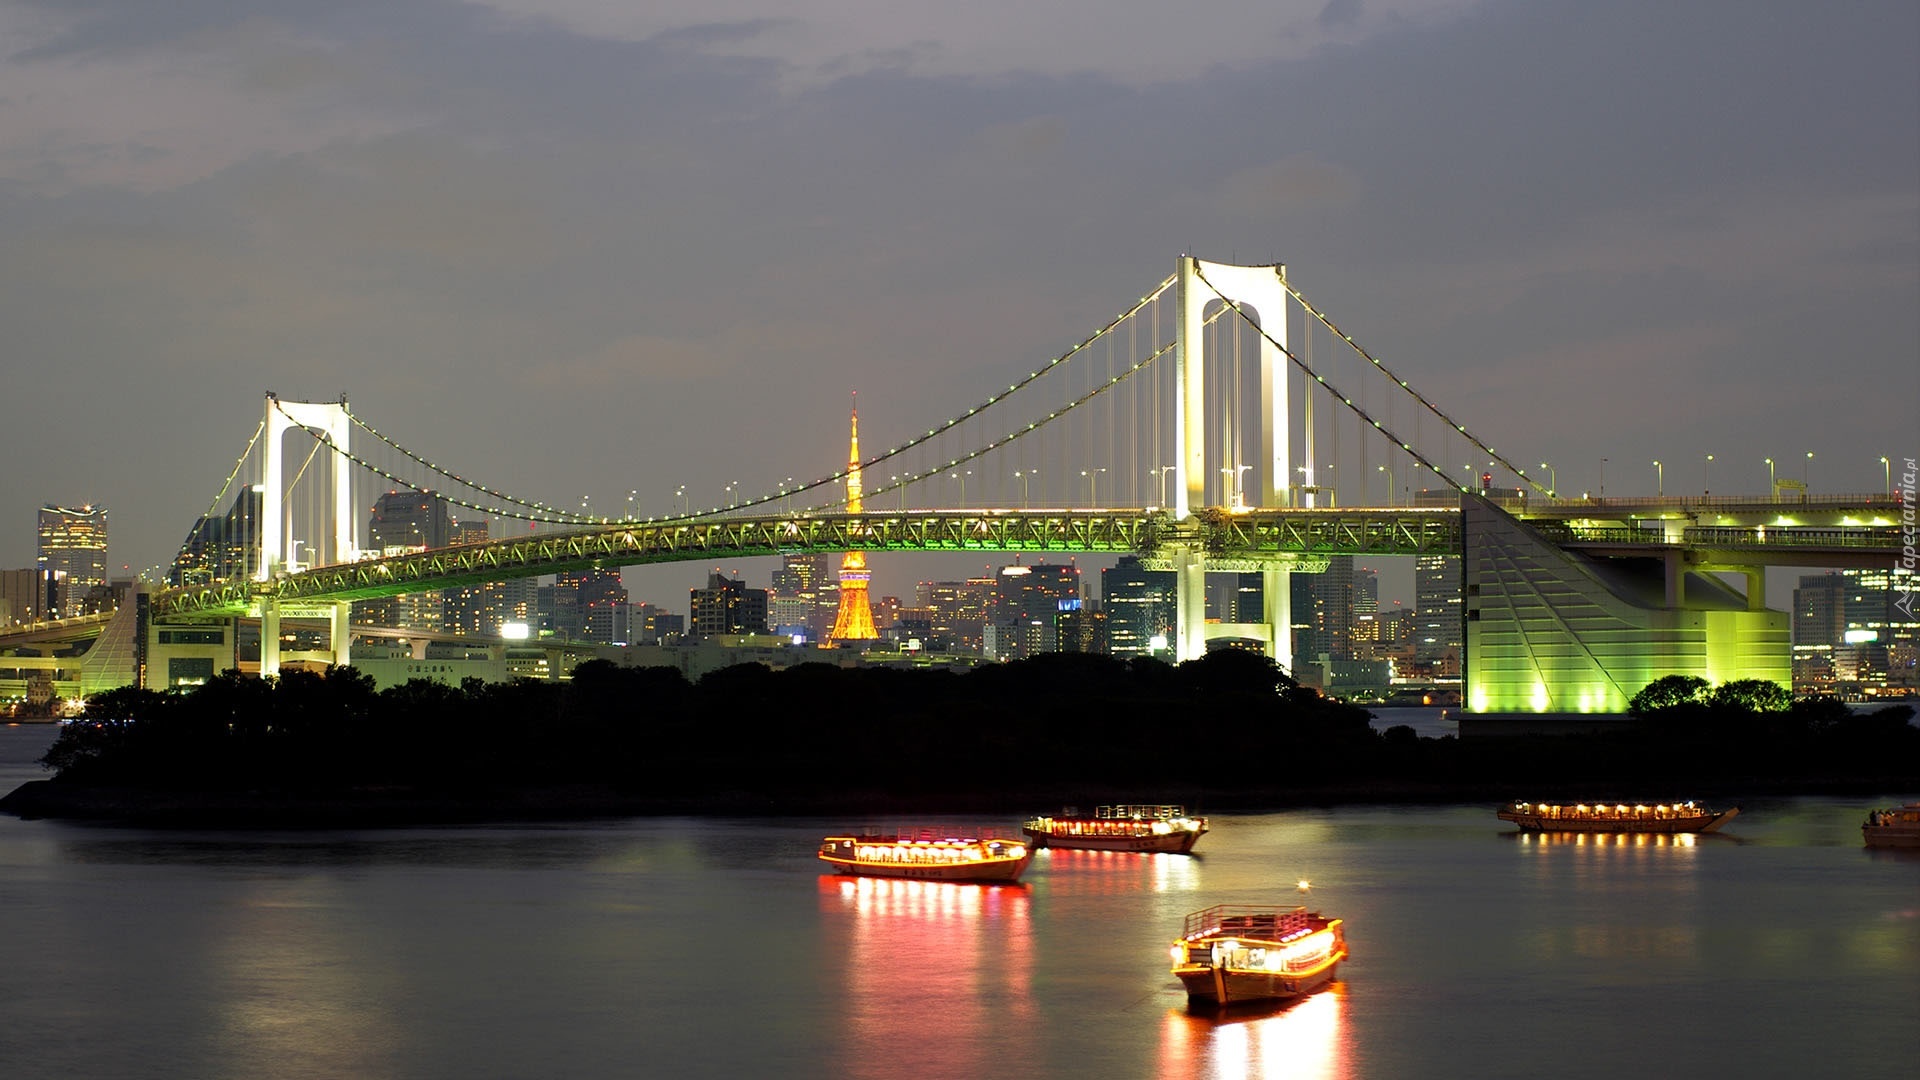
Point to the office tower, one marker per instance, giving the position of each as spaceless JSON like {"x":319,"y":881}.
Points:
{"x":1139,"y":607}
{"x":1438,"y":635}
{"x":726,"y":606}
{"x":1851,"y":636}
{"x":221,"y":548}
{"x":1026,"y":603}
{"x":955,"y":612}
{"x":73,"y":555}
{"x":404,"y":522}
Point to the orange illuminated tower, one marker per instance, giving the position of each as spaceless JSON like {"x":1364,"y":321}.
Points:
{"x":854,"y":621}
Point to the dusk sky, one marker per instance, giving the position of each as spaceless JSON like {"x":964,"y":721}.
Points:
{"x":583,"y":247}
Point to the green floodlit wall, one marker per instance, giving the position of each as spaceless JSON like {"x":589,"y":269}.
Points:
{"x":1550,"y":630}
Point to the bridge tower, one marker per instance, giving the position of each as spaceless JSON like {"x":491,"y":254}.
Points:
{"x":1263,"y":290}
{"x":330,"y":422}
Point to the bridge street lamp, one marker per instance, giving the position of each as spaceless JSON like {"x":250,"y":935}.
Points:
{"x":1024,"y":475}
{"x":680,"y":499}
{"x":1391,"y":483}
{"x":1553,"y":480}
{"x":1093,"y":476}
{"x":1888,"y":466}
{"x":1234,"y":493}
{"x":1706,"y":476}
{"x":1806,"y":474}
{"x":1772,"y":491}
{"x":1659,"y":480}
{"x":1166,"y":497}
{"x":962,"y":477}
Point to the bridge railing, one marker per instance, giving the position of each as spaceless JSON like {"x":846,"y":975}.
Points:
{"x":1873,"y":501}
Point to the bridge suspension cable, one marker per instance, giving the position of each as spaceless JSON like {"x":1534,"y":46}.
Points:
{"x":1321,"y":317}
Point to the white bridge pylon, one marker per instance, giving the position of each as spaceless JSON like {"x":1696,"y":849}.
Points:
{"x":1261,"y":290}
{"x":277,"y":555}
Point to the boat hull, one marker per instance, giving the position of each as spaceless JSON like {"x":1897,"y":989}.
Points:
{"x":1691,"y":823}
{"x":1176,"y":843}
{"x":1224,"y":986}
{"x":1004,"y":870}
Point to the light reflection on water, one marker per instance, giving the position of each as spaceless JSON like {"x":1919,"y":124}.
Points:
{"x":1305,"y":1039}
{"x":914,"y":951}
{"x":717,"y":948}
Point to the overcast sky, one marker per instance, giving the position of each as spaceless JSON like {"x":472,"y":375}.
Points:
{"x":574,"y":247}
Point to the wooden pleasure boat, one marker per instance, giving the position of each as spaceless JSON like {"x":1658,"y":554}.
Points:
{"x":1897,"y":826}
{"x":1684,"y":817}
{"x":1119,"y":828}
{"x":1233,"y":953}
{"x":927,"y":857}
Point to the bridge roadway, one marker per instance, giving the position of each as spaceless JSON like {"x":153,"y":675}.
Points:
{"x":1229,"y":539}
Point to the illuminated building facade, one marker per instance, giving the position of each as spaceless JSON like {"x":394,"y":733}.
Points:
{"x":854,"y":621}
{"x":955,"y":613}
{"x":805,"y":595}
{"x":726,"y":606}
{"x":1552,"y":630}
{"x":221,"y":548}
{"x":402,"y":522}
{"x":1139,"y":606}
{"x":481,"y":610}
{"x":73,"y":552}
{"x":1850,"y":636}
{"x":1024,"y":616}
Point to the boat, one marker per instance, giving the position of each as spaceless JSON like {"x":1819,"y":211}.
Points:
{"x":1232,"y":953}
{"x":928,"y":856}
{"x":1679,"y":817}
{"x":1897,"y":826}
{"x":1123,"y":827}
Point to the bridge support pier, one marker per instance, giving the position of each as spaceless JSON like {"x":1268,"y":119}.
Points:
{"x":1190,"y":601}
{"x":1276,"y":601}
{"x":269,"y":638}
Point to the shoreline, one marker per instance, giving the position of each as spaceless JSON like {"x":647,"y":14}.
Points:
{"x":405,"y":808}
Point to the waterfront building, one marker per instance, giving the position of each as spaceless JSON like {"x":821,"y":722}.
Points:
{"x":1851,"y":637}
{"x":221,"y":548}
{"x":73,"y":554}
{"x":481,"y":610}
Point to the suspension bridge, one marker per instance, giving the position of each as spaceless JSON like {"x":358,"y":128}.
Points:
{"x":1196,"y":429}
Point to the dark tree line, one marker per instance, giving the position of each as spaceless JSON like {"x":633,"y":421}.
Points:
{"x":1063,"y":727}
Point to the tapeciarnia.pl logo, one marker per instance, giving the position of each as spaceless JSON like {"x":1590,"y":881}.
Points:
{"x":1904,"y":568}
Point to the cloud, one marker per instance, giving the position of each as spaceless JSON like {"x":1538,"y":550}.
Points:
{"x":1292,"y":184}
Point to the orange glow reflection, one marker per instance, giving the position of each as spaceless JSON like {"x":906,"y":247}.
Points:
{"x":950,"y":963}
{"x":1302,"y":1040}
{"x":1119,"y":873}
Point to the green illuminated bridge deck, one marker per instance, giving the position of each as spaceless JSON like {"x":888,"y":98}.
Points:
{"x":1252,"y":537}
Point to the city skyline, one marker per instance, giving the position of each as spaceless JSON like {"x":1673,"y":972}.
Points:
{"x":566,"y":286}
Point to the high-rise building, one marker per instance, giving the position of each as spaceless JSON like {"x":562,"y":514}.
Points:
{"x":73,"y":553}
{"x":1139,"y":606}
{"x":403,"y":522}
{"x":806,"y":594}
{"x":1850,"y":635}
{"x":1026,"y":605}
{"x":726,"y":606}
{"x":854,"y":621}
{"x":221,"y":548}
{"x":1438,"y":633}
{"x":955,"y":612}
{"x":481,"y":610}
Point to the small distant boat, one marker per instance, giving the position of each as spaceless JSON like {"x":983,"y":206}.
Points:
{"x":1680,"y":817}
{"x":1897,"y":826}
{"x":927,"y":856}
{"x":1123,"y":827}
{"x":1233,"y":953}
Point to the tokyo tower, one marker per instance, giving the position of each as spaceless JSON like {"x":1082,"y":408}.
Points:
{"x":854,"y":620}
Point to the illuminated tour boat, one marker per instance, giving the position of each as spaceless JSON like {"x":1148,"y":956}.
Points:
{"x":1119,"y":828}
{"x":1234,"y":953}
{"x":1897,"y":826}
{"x":1684,"y":817}
{"x":927,"y":857}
